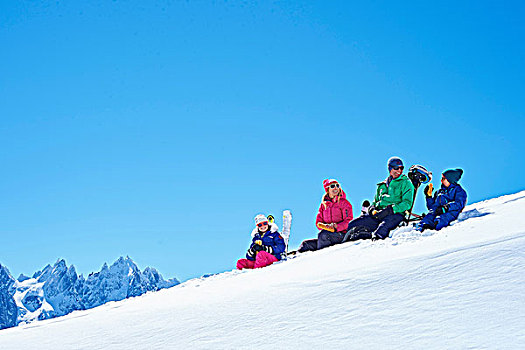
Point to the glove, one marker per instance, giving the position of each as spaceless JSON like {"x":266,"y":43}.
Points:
{"x":257,"y":248}
{"x":381,"y":214}
{"x":428,"y":190}
{"x":372,"y":210}
{"x":267,"y":249}
{"x":441,"y":210}
{"x":251,"y":253}
{"x":327,"y":227}
{"x":364,"y":207}
{"x":258,"y":242}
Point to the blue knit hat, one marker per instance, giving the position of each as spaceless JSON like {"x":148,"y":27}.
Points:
{"x":453,"y":175}
{"x":394,"y":162}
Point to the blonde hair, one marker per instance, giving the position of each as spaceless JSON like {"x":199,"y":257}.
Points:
{"x":337,"y":198}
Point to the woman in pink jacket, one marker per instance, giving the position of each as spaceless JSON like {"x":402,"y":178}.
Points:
{"x":334,"y":215}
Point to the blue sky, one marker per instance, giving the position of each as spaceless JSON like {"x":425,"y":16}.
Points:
{"x":159,"y":130}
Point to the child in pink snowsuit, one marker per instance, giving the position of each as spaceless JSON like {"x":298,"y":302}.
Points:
{"x":266,"y":248}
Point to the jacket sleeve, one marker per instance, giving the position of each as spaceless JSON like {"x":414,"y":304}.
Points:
{"x":319,"y":217}
{"x":459,"y":202}
{"x":407,"y":198}
{"x":348,"y":216}
{"x":376,"y":198}
{"x":431,"y":201}
{"x":278,"y":244}
{"x":249,"y":253}
{"x":249,"y":256}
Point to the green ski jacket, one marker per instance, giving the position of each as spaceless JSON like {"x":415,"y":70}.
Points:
{"x":399,"y":193}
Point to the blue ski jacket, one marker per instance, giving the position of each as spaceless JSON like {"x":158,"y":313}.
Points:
{"x":454,"y":196}
{"x":271,"y":239}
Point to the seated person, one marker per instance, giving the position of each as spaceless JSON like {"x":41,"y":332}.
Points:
{"x":267,"y":245}
{"x":393,"y":198}
{"x":332,"y":219}
{"x":446,"y":204}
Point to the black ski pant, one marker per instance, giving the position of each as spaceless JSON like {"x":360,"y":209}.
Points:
{"x":381,"y":228}
{"x":324,"y":239}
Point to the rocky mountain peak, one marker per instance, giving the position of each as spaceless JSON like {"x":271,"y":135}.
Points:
{"x":8,"y":309}
{"x":58,"y":290}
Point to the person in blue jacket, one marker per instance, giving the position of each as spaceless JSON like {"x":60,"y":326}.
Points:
{"x":445,"y":205}
{"x":267,"y":245}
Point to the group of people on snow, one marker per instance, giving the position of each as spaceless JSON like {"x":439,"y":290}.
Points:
{"x":394,"y":198}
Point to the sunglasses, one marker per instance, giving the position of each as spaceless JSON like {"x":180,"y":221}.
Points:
{"x":261,"y":224}
{"x":398,"y":167}
{"x":334,"y":186}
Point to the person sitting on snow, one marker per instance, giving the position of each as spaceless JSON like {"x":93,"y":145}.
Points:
{"x":446,"y":204}
{"x":332,"y":219}
{"x":267,"y":245}
{"x":393,"y":198}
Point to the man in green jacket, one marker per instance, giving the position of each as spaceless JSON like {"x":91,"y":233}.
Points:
{"x":394,"y":197}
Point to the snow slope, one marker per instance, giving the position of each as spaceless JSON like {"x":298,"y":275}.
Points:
{"x":460,"y":288}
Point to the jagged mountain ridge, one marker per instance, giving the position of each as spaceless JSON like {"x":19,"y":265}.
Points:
{"x":8,"y":308}
{"x":57,"y":290}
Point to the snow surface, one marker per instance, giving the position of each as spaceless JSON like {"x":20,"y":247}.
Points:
{"x":35,"y":289}
{"x":459,"y":288}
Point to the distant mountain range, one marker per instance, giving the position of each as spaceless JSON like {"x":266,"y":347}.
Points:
{"x":58,"y":290}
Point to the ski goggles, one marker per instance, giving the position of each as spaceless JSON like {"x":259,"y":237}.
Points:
{"x":336,"y":185}
{"x":261,"y":224}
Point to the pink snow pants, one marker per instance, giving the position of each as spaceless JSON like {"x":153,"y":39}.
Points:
{"x":263,"y":259}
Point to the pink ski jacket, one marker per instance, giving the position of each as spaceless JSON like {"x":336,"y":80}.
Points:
{"x":338,"y":211}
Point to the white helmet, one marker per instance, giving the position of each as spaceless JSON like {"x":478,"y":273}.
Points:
{"x":260,"y":218}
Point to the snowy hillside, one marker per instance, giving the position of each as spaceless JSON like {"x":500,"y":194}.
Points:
{"x":462,"y":287}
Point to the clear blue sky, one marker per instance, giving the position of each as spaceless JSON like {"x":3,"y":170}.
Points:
{"x":159,"y":129}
